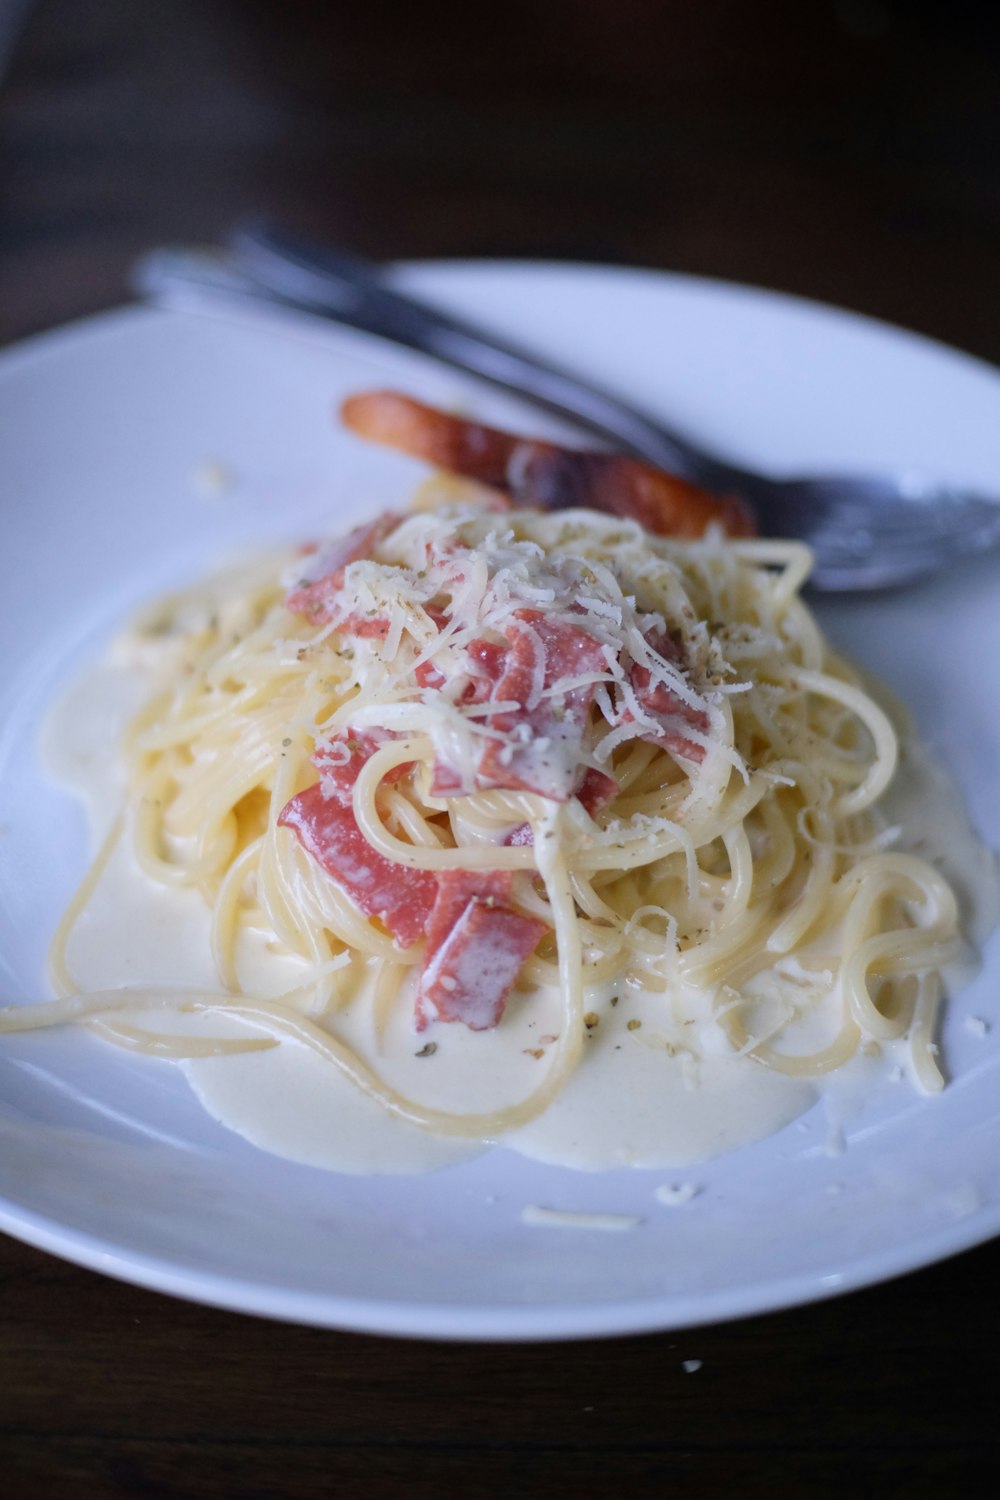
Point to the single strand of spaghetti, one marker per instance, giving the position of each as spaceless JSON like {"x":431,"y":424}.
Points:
{"x":58,"y":970}
{"x":539,"y":973}
{"x":385,"y":992}
{"x":225,"y":913}
{"x":82,"y":1005}
{"x":800,"y":628}
{"x":923,"y":1051}
{"x":483,"y":857}
{"x":411,"y":819}
{"x":923,"y":881}
{"x":812,"y":1064}
{"x":741,"y":866}
{"x":589,"y":902}
{"x":163,"y":1044}
{"x":654,"y":800}
{"x":810,"y":905}
{"x":773,"y":866}
{"x":793,"y":558}
{"x":611,"y":851}
{"x":870,"y":948}
{"x":886,"y":747}
{"x":891,"y":954}
{"x":710,"y":962}
{"x":854,"y":978}
{"x":651,"y":912}
{"x":482,"y":1126}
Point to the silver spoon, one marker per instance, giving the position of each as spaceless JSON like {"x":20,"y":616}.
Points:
{"x":866,"y":532}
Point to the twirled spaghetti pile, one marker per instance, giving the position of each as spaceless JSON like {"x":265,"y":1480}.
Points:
{"x":691,"y":809}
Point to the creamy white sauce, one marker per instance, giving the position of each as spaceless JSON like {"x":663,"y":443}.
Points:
{"x":638,"y":1098}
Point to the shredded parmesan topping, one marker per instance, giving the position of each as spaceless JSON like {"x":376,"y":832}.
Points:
{"x":441,"y":582}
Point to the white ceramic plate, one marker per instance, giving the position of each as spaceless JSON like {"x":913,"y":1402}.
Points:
{"x":107,"y":1160}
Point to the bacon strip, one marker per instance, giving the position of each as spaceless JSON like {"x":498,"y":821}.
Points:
{"x":476,"y":943}
{"x":476,"y":946}
{"x":316,"y":596}
{"x":339,"y":761}
{"x":544,"y":474}
{"x":401,"y":899}
{"x":674,"y":716}
{"x":540,"y":652}
{"x":659,"y":702}
{"x":596,"y":790}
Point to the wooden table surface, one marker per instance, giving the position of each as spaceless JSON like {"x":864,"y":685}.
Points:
{"x":847,"y":152}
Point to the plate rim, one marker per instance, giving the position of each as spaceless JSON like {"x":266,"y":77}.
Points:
{"x":465,"y":1322}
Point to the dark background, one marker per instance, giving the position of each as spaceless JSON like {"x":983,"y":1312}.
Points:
{"x":848,"y":152}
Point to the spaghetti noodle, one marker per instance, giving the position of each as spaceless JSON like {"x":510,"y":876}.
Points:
{"x":470,"y":753}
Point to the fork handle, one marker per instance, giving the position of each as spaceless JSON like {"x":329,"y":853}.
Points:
{"x":265,"y":260}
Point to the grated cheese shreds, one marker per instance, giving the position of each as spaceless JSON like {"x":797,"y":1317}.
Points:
{"x":442,"y":586}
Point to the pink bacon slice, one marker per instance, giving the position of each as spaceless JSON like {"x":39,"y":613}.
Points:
{"x":544,"y":474}
{"x":317,"y":596}
{"x":659,"y":702}
{"x":552,"y":650}
{"x":540,"y":651}
{"x":476,"y":946}
{"x":401,"y":899}
{"x":339,"y":761}
{"x":322,"y":817}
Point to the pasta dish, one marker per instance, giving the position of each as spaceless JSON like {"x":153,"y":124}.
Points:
{"x":476,"y":761}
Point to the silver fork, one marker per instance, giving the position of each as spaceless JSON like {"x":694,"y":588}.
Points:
{"x":866,"y":532}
